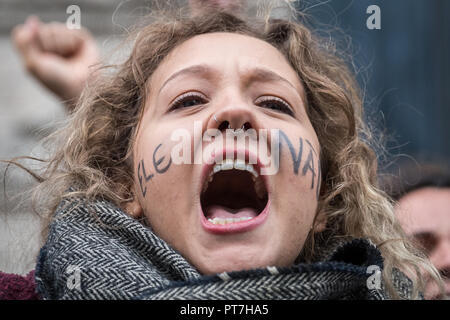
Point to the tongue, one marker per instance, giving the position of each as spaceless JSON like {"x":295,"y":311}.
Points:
{"x":224,"y":212}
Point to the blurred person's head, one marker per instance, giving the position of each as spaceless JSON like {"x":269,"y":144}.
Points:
{"x":423,"y":208}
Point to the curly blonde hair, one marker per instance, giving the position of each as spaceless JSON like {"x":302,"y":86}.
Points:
{"x":92,"y":154}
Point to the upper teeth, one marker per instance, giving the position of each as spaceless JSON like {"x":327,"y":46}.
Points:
{"x":235,"y":164}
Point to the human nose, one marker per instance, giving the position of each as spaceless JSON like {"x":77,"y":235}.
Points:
{"x":233,"y":116}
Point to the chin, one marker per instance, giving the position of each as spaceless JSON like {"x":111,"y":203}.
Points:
{"x":227,"y":266}
{"x":238,"y":259}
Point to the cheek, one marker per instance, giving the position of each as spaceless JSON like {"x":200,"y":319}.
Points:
{"x":156,"y":177}
{"x":296,"y":199}
{"x":298,"y":180}
{"x":153,"y":173}
{"x":152,"y":161}
{"x":296,"y":207}
{"x":161,"y":183}
{"x":162,"y":206}
{"x":300,"y":172}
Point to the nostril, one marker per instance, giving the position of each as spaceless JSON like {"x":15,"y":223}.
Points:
{"x":247,"y":126}
{"x":224,"y":125}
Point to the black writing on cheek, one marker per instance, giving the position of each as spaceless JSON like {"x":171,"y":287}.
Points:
{"x":156,"y":163}
{"x":319,"y":178}
{"x":309,"y":164}
{"x":142,"y":174}
{"x":296,"y":160}
{"x":319,"y":170}
{"x":142,"y":177}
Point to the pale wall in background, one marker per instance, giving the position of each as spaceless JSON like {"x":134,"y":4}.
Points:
{"x":28,"y":112}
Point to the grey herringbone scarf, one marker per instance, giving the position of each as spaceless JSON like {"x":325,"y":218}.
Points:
{"x":96,"y":251}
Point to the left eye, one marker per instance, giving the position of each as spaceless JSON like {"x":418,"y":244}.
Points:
{"x":274,"y":103}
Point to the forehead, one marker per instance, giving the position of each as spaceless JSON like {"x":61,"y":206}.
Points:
{"x":426,"y":209}
{"x":229,"y":53}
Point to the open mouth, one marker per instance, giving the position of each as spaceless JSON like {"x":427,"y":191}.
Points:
{"x":234,"y":193}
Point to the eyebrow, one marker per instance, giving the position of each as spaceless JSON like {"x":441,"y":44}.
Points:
{"x":265,"y":75}
{"x":196,"y":70}
{"x":254,"y":75}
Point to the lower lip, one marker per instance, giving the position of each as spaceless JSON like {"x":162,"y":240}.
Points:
{"x":235,"y":227}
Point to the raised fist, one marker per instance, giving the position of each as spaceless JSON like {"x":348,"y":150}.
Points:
{"x":61,"y":59}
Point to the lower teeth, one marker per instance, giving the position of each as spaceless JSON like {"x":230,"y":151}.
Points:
{"x":228,"y":220}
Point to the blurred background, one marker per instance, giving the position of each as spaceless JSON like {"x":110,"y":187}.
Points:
{"x":403,"y":68}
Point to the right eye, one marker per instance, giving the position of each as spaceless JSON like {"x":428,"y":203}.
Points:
{"x":188,"y":100}
{"x":427,"y":241}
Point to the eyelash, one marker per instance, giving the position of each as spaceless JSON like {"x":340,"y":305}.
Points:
{"x":185,"y":97}
{"x":280,"y":104}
